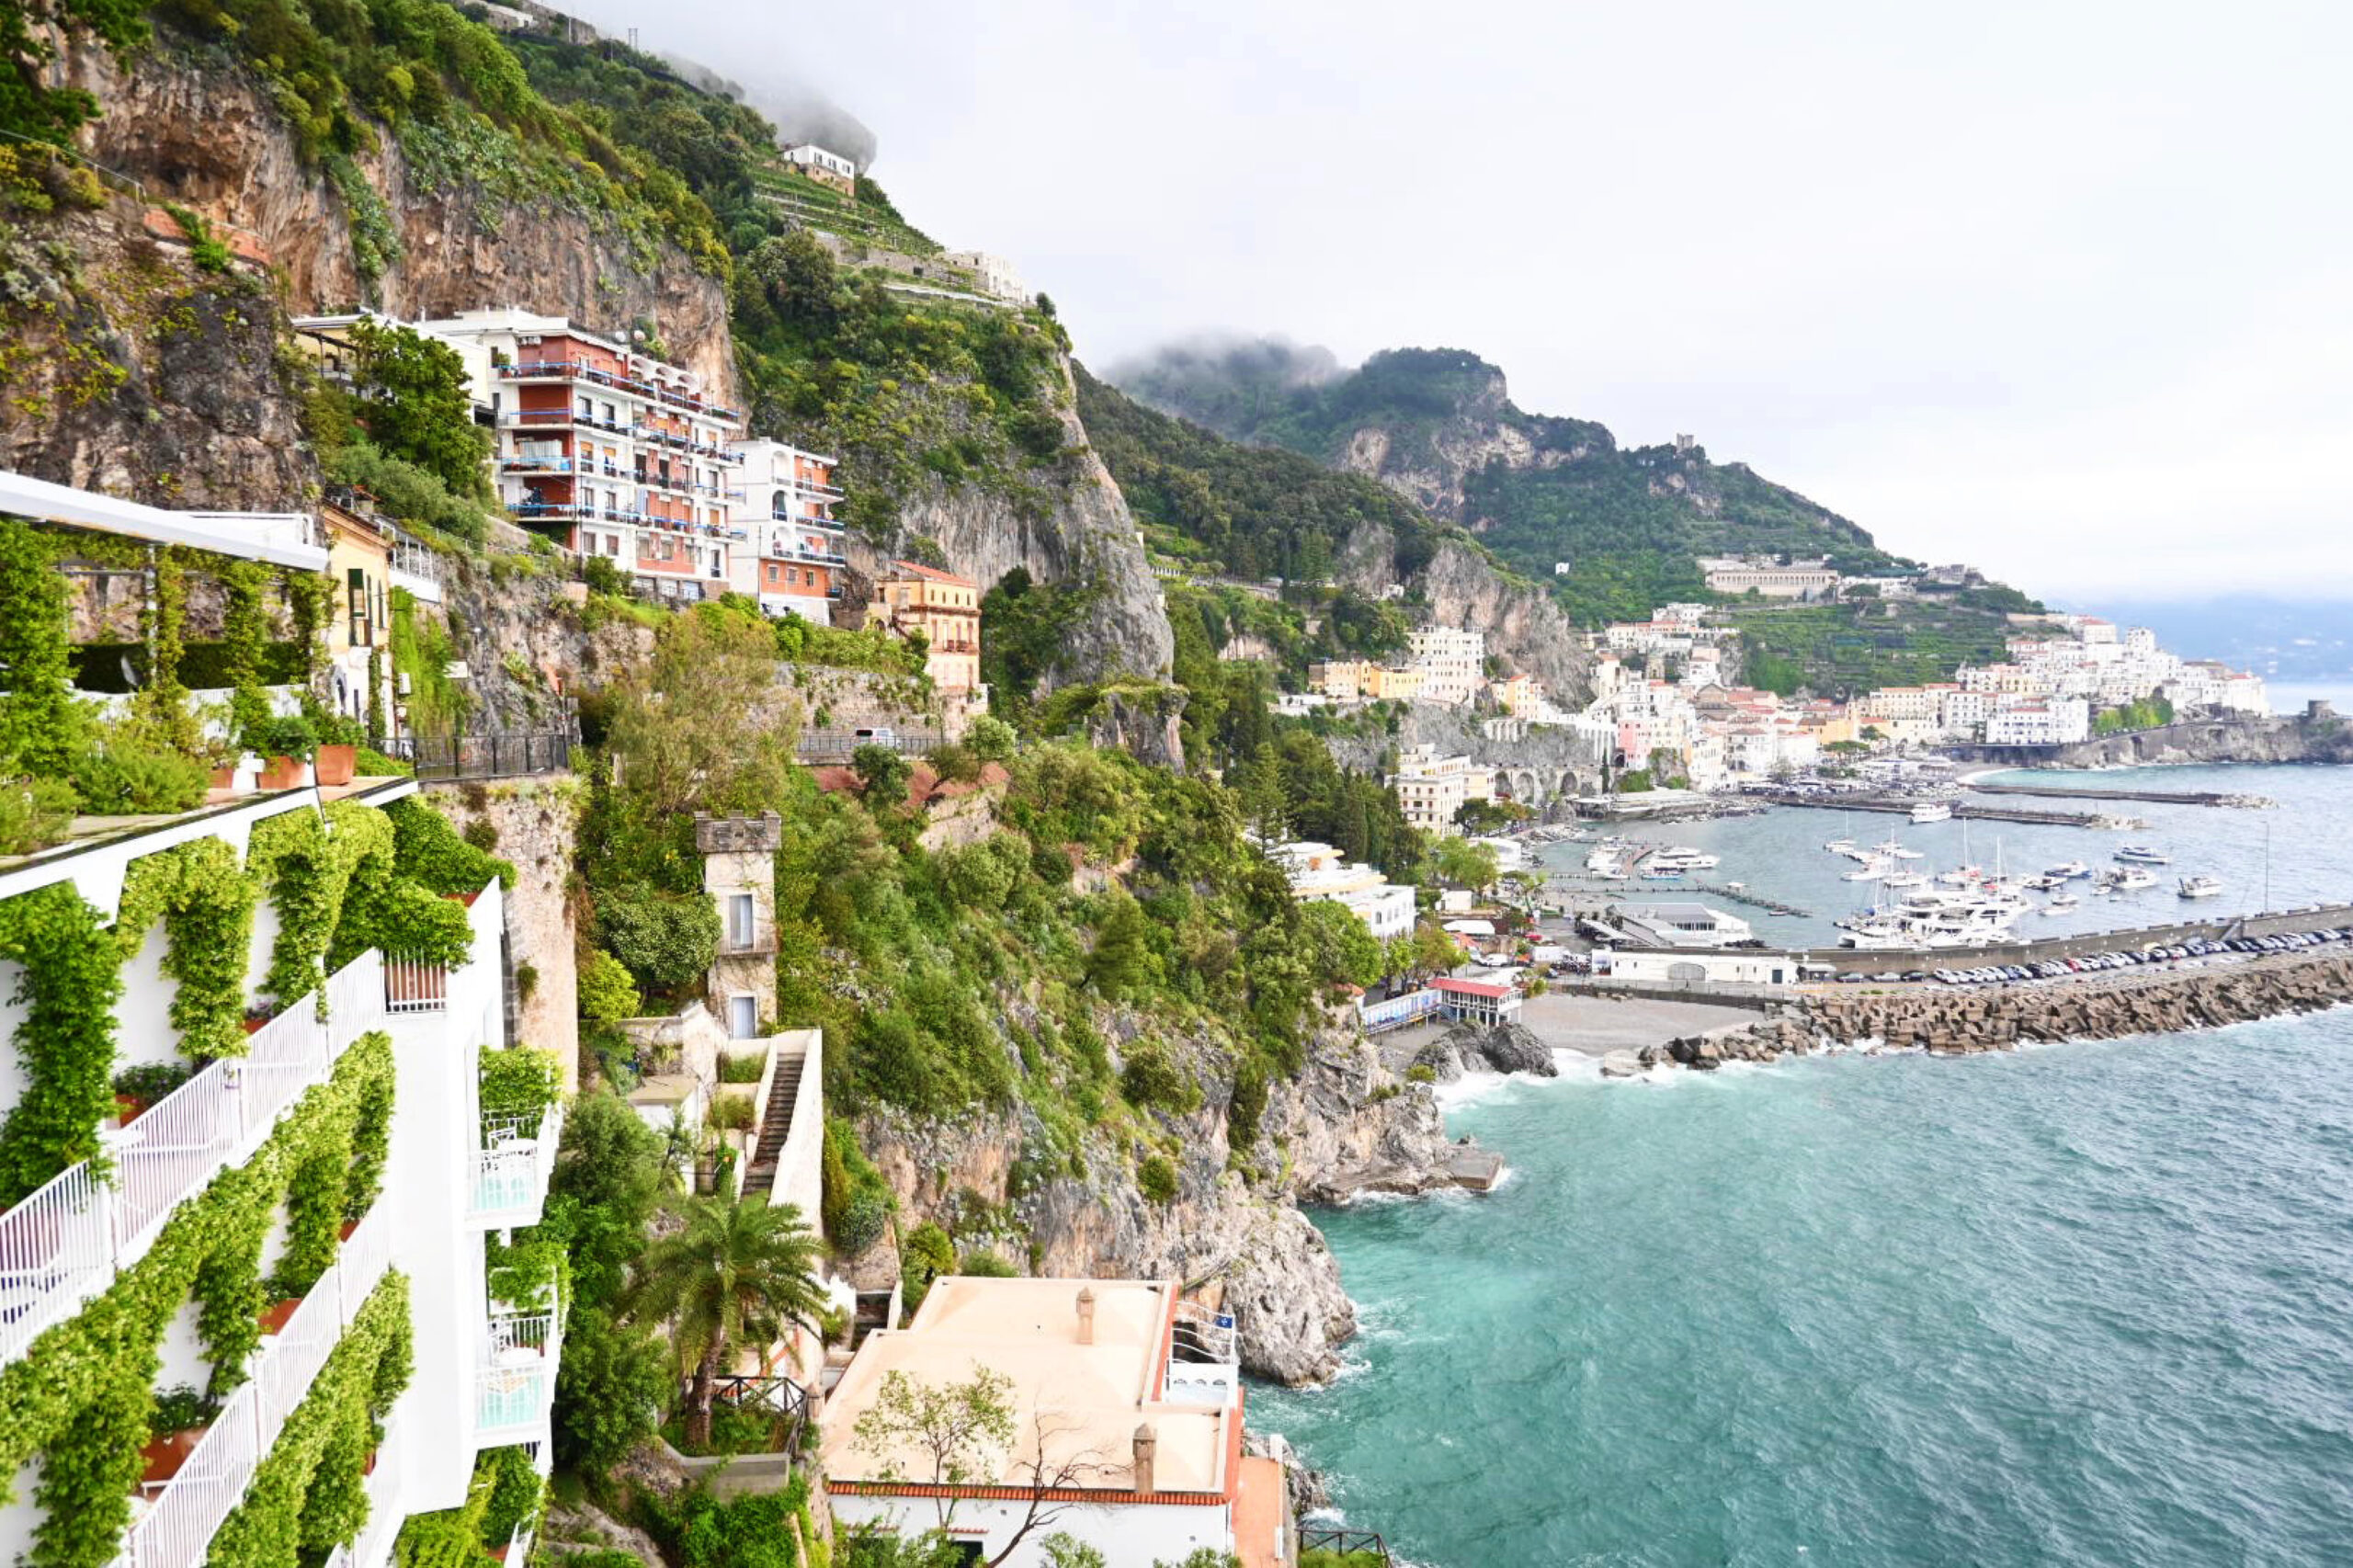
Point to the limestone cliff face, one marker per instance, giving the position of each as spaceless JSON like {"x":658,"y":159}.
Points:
{"x":1465,"y":589}
{"x":2306,"y":737}
{"x":1540,"y":769}
{"x":1279,"y":1276}
{"x":1075,"y":527}
{"x":1429,"y":468}
{"x":198,"y":130}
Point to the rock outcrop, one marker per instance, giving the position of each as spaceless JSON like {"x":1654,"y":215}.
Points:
{"x":1464,"y":589}
{"x":2318,"y":735}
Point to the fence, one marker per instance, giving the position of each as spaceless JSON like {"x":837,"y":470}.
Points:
{"x":190,"y":1507}
{"x":64,"y":1242}
{"x":488,"y":756}
{"x":514,"y":1160}
{"x":1396,"y":1012}
{"x":780,"y":1397}
{"x":1345,"y":1542}
{"x":518,"y":1370}
{"x":838,"y":745}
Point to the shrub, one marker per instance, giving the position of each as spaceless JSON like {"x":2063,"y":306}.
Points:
{"x":667,"y":941}
{"x":609,"y":1389}
{"x":1421,"y":1073}
{"x":730,"y":1113}
{"x":428,"y":850}
{"x":34,"y":813}
{"x":1151,"y":1079}
{"x":742,"y":1069}
{"x":925,"y":1253}
{"x":1156,"y":1178}
{"x":123,"y":777}
{"x":603,"y":577}
{"x":483,"y":834}
{"x":987,"y":1266}
{"x":288,"y":734}
{"x":607,"y":992}
{"x":519,"y":1079}
{"x":990,"y":738}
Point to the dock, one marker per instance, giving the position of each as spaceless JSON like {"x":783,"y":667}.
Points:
{"x":1471,"y":1166}
{"x":2161,"y":797}
{"x":1742,"y":895}
{"x":1891,"y":806}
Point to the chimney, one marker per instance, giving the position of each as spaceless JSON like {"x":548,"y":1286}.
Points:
{"x":1147,"y":1443}
{"x":1085,"y":1315}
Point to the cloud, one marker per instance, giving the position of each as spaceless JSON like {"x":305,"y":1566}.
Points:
{"x":2057,"y":288}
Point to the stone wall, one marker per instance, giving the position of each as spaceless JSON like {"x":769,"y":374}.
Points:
{"x":538,"y":824}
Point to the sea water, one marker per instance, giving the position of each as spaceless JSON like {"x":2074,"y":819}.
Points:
{"x":2084,"y":1305}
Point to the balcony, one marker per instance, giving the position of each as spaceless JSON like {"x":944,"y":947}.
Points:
{"x":513,"y":1156}
{"x":515,"y":1376}
{"x":66,"y":1242}
{"x":185,"y":1513}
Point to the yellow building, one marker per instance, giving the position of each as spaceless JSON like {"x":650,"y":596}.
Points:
{"x":945,"y":609}
{"x":359,"y":564}
{"x":1393,"y":685}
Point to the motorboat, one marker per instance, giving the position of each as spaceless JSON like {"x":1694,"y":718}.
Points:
{"x":1926,"y":812}
{"x":1869,"y":872}
{"x":1840,"y":846}
{"x":2200,"y":887}
{"x":2045,"y":883}
{"x":1682,"y":859}
{"x":1907,"y":879}
{"x":2061,"y":904}
{"x":2140,"y":855}
{"x":2068,"y":870}
{"x":1894,"y":851}
{"x":2132,"y":880}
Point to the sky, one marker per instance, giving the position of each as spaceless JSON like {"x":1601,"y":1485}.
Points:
{"x":2065,"y":290}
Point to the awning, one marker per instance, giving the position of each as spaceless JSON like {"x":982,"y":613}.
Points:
{"x":281,"y":538}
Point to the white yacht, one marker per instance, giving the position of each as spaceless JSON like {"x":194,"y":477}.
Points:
{"x":1935,"y":919}
{"x":1926,"y":812}
{"x":2140,"y":855}
{"x":2061,"y":904}
{"x":2131,"y":879}
{"x":2201,"y":887}
{"x":1681,"y":858}
{"x":2068,"y":870}
{"x":1907,"y":879}
{"x":1869,"y":872}
{"x":1892,"y":850}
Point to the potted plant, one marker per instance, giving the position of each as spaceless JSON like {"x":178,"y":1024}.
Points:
{"x":288,"y":741}
{"x":275,"y":1316}
{"x":338,"y":759}
{"x":138,"y":1088}
{"x":258,"y":1014}
{"x":182,"y":1415}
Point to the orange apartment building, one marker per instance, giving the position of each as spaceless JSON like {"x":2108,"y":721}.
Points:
{"x":607,"y":451}
{"x":947,"y":609}
{"x":792,"y":559}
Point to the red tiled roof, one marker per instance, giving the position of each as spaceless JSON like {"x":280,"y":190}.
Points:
{"x":1472,"y":988}
{"x":916,"y":568}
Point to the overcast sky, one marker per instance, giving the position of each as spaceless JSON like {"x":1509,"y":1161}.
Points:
{"x":2065,"y":290}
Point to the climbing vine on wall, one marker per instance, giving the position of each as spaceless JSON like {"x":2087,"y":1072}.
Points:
{"x":69,"y":985}
{"x":80,"y":1399}
{"x":308,"y":864}
{"x":206,"y":900}
{"x":39,"y":724}
{"x":245,"y":631}
{"x":163,"y":623}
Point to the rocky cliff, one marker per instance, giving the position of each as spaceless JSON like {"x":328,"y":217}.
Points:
{"x":2319,"y":735}
{"x":1342,"y":1125}
{"x":1463,"y":589}
{"x":1540,"y":769}
{"x":195,"y":127}
{"x":1067,"y":525}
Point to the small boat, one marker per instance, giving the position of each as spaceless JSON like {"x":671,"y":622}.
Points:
{"x":1869,"y":872}
{"x":2140,"y":855}
{"x":1908,"y":880}
{"x":1924,"y":811}
{"x":2133,"y":880}
{"x":1840,"y":846}
{"x":2060,"y":905}
{"x":1894,"y":851}
{"x":1663,"y":874}
{"x":1683,"y":859}
{"x":2045,"y":883}
{"x":2068,"y":870}
{"x":2200,"y":887}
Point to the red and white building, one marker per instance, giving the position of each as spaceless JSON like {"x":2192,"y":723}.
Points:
{"x":791,"y":559}
{"x":605,"y":450}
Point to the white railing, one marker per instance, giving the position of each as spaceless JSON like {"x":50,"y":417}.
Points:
{"x":414,"y":987}
{"x":515,"y":1375}
{"x":513,"y":1160}
{"x":65,"y":1242}
{"x":188,"y":1509}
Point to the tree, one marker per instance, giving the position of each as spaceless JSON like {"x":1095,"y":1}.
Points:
{"x":1435,"y":949}
{"x":957,"y":1432}
{"x":884,"y":773}
{"x":1345,"y":950}
{"x":609,"y":1389}
{"x":691,"y":730}
{"x":990,"y":738}
{"x":416,"y":403}
{"x":1123,"y":960}
{"x":1467,"y":865}
{"x":731,"y":1270}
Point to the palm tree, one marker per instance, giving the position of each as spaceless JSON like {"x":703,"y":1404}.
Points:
{"x":731,"y":1272}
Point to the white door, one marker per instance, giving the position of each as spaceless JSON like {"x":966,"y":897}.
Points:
{"x":742,"y":1017}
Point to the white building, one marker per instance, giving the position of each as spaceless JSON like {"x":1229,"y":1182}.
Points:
{"x":1318,"y":871}
{"x":1650,"y":966}
{"x":1453,"y":664}
{"x":791,"y":554}
{"x":995,"y":275}
{"x":1763,"y":575}
{"x":2040,"y":721}
{"x":823,"y":167}
{"x":1432,"y":788}
{"x":1127,"y":1403}
{"x":1682,"y":924}
{"x":391,"y":1039}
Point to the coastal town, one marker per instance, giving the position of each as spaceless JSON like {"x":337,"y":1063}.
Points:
{"x":671,"y":894}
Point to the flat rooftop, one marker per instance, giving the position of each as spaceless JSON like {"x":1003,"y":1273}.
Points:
{"x":1081,"y":1403}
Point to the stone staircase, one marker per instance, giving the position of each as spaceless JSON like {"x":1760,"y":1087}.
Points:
{"x":759,"y":1175}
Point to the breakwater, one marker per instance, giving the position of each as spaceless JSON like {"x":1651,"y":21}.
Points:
{"x":1893,"y":805}
{"x":2159,"y":797}
{"x":1952,"y":1022}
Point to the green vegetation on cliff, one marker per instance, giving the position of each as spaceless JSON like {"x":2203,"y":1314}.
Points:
{"x":1839,"y":650}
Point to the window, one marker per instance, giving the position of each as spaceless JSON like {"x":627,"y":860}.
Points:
{"x":739,"y":920}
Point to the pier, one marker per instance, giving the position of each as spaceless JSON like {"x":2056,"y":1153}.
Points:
{"x":1742,"y":895}
{"x":2161,"y":797}
{"x":1891,"y":806}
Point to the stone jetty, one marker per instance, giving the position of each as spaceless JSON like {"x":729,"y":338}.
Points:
{"x":1954,"y":1021}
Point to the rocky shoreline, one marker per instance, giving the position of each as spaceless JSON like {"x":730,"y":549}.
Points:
{"x":1963,"y":1023}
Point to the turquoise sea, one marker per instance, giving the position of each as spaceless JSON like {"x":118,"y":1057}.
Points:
{"x":2085,"y":1304}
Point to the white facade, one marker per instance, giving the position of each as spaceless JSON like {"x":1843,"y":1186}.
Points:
{"x":2058,"y":722}
{"x":1682,"y":925}
{"x":1453,"y":664}
{"x":791,"y":551}
{"x":1318,"y":871}
{"x":1763,"y":576}
{"x":1650,"y":966}
{"x":1431,"y":789}
{"x":484,"y":1374}
{"x":995,"y":275}
{"x":818,"y":160}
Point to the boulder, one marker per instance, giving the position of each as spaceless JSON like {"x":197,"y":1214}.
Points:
{"x":1621,"y":1064}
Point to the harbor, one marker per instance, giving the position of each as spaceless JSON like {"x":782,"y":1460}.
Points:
{"x":1903,"y":806}
{"x":2160,"y":797}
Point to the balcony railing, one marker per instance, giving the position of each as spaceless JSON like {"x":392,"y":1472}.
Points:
{"x":518,"y":755}
{"x":66,"y":1242}
{"x":515,"y":1375}
{"x":513,"y":1158}
{"x":188,"y":1511}
{"x":411,"y":986}
{"x":1347,"y":1543}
